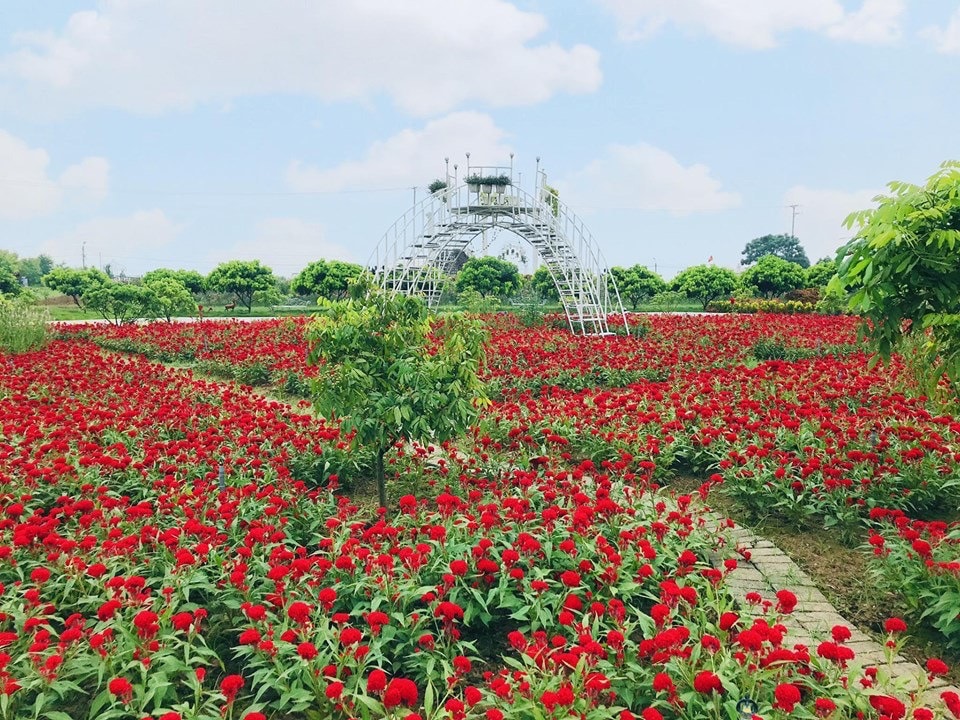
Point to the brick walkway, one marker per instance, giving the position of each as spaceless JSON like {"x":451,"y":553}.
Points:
{"x":769,"y":569}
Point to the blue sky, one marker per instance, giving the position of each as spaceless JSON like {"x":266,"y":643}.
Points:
{"x":182,"y":133}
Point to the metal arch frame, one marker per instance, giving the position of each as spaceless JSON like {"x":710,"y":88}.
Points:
{"x":417,"y":253}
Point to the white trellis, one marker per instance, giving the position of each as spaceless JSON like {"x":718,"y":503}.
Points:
{"x":421,"y":250}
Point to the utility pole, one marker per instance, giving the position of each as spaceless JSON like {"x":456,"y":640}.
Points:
{"x":793,"y":218}
{"x":83,"y":254}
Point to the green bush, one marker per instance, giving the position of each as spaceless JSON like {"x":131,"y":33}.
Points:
{"x":23,"y":327}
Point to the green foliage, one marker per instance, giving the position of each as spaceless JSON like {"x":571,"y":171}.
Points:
{"x":636,"y":284}
{"x":74,"y":283}
{"x":120,"y":303}
{"x":391,"y":374}
{"x":551,"y":196}
{"x":190,"y":279}
{"x":9,"y":268}
{"x":543,"y":284}
{"x":23,"y":326}
{"x":329,"y":279}
{"x":473,"y":302}
{"x":498,"y":180}
{"x":819,"y":275}
{"x":167,"y":297}
{"x":772,"y":275}
{"x":489,"y":276}
{"x":785,"y":247}
{"x":437,"y":185}
{"x":901,"y":269}
{"x":243,"y":278}
{"x":528,"y":306}
{"x":705,"y":283}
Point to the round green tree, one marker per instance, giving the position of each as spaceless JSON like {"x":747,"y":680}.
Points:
{"x":901,"y":270}
{"x":329,"y":279}
{"x":786,"y":247}
{"x":389,"y":372}
{"x":168,"y":298}
{"x":75,"y":283}
{"x":819,"y":275}
{"x":636,"y":284}
{"x":489,"y":276}
{"x":543,"y":284}
{"x":705,"y":283}
{"x":193,"y":281}
{"x":771,"y":276}
{"x":242,"y":278}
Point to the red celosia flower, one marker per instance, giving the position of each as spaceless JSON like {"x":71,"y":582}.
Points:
{"x":895,"y":625}
{"x":786,"y":696}
{"x":707,"y":682}
{"x":376,"y":681}
{"x":307,"y":650}
{"x":786,"y":601}
{"x":299,"y":612}
{"x":400,"y":691}
{"x":230,"y":686}
{"x":121,"y":688}
{"x":936,"y":666}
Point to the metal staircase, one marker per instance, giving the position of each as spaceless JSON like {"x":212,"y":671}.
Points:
{"x":418,"y":254}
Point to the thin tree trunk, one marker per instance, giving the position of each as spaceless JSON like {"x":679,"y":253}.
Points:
{"x":381,"y":480}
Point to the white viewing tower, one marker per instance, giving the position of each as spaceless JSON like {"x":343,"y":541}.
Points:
{"x":426,"y":245}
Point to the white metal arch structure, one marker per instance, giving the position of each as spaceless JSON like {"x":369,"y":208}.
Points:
{"x":419,"y":253}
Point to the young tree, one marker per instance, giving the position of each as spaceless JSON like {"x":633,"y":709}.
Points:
{"x":705,"y":283}
{"x":819,"y":275}
{"x":329,"y":279}
{"x":786,"y":247}
{"x":190,"y":279}
{"x":168,"y":298}
{"x":390,"y":373}
{"x":243,"y":278}
{"x":543,"y":284}
{"x":772,"y":275}
{"x":74,"y":283}
{"x":489,"y":276}
{"x":636,"y":284}
{"x":901,"y":269}
{"x":119,"y":303}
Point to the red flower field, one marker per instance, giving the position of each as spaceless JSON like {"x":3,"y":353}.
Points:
{"x":173,"y":547}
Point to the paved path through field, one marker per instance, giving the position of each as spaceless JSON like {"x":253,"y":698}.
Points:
{"x":769,"y":569}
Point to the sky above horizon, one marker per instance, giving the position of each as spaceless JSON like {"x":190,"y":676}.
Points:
{"x":177,"y":133}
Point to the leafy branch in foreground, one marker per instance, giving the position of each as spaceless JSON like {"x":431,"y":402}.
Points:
{"x":901,"y":269}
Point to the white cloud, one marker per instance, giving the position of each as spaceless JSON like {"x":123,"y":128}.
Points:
{"x":28,"y":191}
{"x":286,"y":246}
{"x":428,"y":56}
{"x":643,"y":177}
{"x":876,"y":23}
{"x":819,"y":223}
{"x":945,"y":40}
{"x":90,"y":177}
{"x":127,"y":243}
{"x":408,"y":157}
{"x":756,"y":24}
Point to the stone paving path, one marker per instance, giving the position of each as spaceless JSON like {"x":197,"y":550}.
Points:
{"x":769,"y":569}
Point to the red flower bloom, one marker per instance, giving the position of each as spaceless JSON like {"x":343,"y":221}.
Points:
{"x":707,"y":682}
{"x":230,"y":686}
{"x":786,"y":696}
{"x":121,"y":688}
{"x":400,"y":691}
{"x":895,"y":625}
